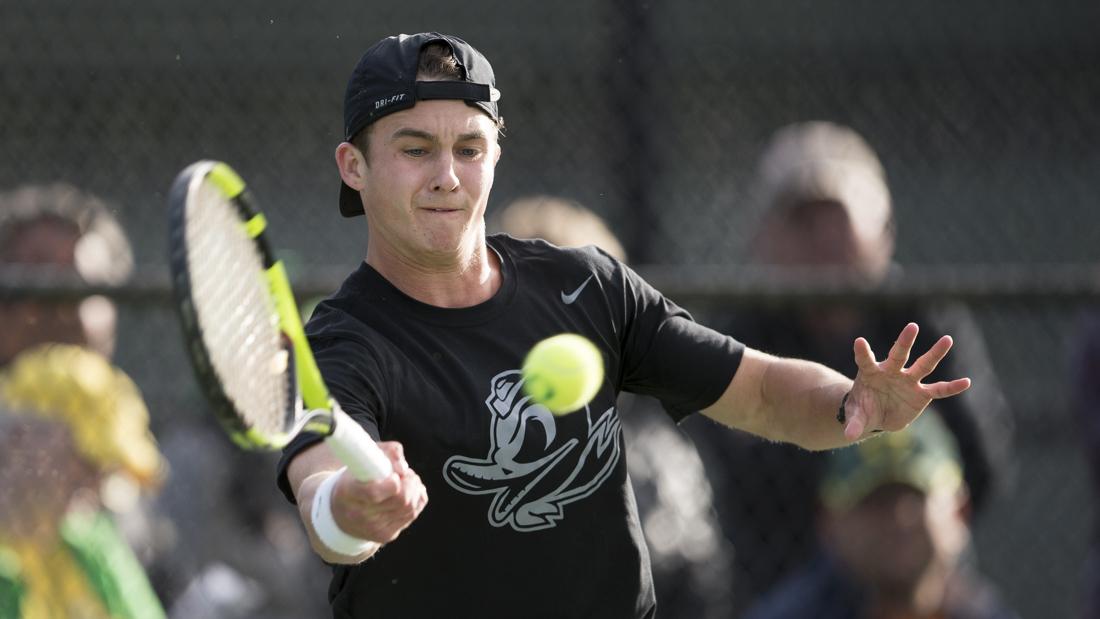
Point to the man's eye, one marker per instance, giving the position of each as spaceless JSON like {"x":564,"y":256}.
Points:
{"x":469,"y":152}
{"x":416,"y":152}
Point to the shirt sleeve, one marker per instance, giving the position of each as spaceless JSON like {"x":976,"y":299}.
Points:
{"x":666,"y":354}
{"x":353,"y":378}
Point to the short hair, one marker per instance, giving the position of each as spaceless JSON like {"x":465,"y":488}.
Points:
{"x":102,"y":254}
{"x":560,"y":221}
{"x":436,"y":62}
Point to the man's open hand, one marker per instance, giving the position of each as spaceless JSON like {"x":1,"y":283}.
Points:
{"x":889,"y":396}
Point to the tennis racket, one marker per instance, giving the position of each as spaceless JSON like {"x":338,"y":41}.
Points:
{"x":242,"y":328}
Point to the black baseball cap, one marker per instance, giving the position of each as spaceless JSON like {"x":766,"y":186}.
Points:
{"x":384,"y":82}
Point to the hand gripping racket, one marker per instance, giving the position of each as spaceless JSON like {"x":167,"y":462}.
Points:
{"x":242,"y":328}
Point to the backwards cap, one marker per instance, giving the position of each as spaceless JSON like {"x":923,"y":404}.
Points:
{"x":385,"y":82}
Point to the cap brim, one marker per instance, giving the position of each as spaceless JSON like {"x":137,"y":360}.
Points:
{"x":842,"y":493}
{"x":351,"y":205}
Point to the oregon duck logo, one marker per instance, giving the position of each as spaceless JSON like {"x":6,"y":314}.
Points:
{"x":531,"y":472}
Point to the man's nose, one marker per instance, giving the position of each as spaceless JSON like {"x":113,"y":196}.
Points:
{"x":445,"y":179}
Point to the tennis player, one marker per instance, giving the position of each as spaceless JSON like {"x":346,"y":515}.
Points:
{"x":531,"y":515}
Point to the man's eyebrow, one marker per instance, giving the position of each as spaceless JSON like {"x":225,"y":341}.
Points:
{"x":412,"y":133}
{"x":476,"y":134}
{"x":407,"y":132}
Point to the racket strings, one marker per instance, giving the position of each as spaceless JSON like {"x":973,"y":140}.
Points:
{"x":235,"y":312}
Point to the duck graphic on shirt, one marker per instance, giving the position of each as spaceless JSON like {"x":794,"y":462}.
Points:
{"x":537,"y":463}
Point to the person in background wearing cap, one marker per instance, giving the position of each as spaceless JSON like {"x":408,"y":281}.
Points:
{"x":531,"y":515}
{"x":822,"y":200}
{"x":62,"y":232}
{"x":690,"y":558}
{"x":75,"y":448}
{"x":212,"y":544}
{"x":79,"y":460}
{"x":894,"y":524}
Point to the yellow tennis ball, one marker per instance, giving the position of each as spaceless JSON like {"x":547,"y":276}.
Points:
{"x":563,"y":372}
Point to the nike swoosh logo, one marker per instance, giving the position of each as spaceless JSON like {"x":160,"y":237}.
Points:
{"x":569,"y":298}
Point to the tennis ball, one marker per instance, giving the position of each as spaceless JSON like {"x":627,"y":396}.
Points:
{"x":563,"y":372}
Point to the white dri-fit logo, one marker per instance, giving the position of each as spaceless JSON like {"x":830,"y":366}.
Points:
{"x":381,"y":103}
{"x":531,"y":475}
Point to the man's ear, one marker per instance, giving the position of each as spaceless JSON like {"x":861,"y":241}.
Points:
{"x":352,"y":165}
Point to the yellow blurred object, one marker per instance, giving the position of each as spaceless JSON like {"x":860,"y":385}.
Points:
{"x":61,"y":588}
{"x":101,"y":405}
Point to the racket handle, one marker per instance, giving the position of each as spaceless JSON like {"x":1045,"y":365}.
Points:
{"x":355,"y":448}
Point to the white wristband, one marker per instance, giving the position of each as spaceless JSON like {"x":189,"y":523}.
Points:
{"x":324,"y":524}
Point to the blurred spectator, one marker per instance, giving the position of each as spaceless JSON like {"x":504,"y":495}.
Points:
{"x":1086,"y":407}
{"x":58,"y":231}
{"x":822,"y":202}
{"x":894,"y":524}
{"x":214,"y":544}
{"x":558,"y":220}
{"x":75,"y":450}
{"x":689,"y":557}
{"x":59,"y":234}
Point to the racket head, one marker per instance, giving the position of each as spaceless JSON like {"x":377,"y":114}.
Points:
{"x":219,"y":262}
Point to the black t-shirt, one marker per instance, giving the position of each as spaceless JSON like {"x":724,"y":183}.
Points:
{"x":529,"y":515}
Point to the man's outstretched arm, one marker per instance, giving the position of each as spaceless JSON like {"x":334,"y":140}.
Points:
{"x":797,"y":401}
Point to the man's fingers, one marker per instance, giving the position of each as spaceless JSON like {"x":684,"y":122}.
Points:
{"x":383,"y":520}
{"x":381,"y":490}
{"x":416,"y":495}
{"x":927,"y":362}
{"x":396,"y":453}
{"x":857,"y":421}
{"x":946,"y":389}
{"x":410,"y":489}
{"x":855,"y":428}
{"x":865,"y":357}
{"x":899,"y":352}
{"x":400,"y":511}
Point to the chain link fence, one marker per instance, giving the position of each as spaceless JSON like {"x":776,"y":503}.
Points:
{"x":653,"y":115}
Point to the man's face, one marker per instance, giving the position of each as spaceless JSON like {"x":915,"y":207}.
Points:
{"x":23,"y":324}
{"x":821,"y":234}
{"x":427,"y":182}
{"x":898,"y":535}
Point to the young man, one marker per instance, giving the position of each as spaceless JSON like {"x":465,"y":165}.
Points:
{"x":531,"y":515}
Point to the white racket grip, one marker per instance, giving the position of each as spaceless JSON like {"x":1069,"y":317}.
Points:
{"x":355,"y":448}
